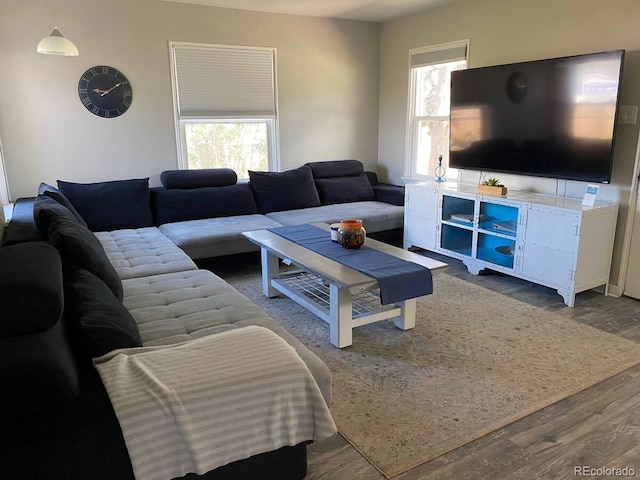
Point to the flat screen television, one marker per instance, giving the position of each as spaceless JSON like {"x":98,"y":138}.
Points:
{"x":549,"y":118}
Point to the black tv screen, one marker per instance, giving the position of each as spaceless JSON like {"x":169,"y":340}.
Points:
{"x":549,"y":118}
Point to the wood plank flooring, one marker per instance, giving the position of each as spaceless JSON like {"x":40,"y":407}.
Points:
{"x":598,"y":428}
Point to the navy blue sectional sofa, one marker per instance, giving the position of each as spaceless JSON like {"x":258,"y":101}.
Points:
{"x":81,"y":268}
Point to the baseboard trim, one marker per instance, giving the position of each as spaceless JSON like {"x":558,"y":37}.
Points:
{"x":615,"y":290}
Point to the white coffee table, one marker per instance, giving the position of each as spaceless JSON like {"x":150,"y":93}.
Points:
{"x":341,"y":296}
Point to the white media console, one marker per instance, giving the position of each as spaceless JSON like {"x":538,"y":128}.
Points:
{"x":549,"y":240}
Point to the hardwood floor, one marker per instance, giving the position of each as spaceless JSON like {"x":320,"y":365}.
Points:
{"x":597,"y":428}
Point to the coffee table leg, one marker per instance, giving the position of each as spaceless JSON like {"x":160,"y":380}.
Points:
{"x":270,"y":269}
{"x":407,"y":318}
{"x":340,"y":327}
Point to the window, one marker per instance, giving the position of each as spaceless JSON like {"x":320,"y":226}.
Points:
{"x":429,"y":101}
{"x":225,"y":100}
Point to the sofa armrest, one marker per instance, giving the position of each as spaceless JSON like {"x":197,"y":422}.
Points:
{"x":22,"y":227}
{"x":393,"y":194}
{"x":37,"y":364}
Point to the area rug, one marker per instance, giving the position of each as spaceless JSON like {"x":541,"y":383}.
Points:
{"x":476,"y":361}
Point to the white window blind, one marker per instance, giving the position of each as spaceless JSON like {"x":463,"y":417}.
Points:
{"x":217,"y":80}
{"x":435,"y":55}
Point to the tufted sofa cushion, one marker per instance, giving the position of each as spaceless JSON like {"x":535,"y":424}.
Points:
{"x":181,"y":306}
{"x":143,"y":251}
{"x":210,"y":237}
{"x":376,"y":216}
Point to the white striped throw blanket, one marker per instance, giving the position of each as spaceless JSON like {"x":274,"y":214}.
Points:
{"x":198,"y":405}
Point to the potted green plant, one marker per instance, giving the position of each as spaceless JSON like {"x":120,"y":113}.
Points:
{"x":492,"y":186}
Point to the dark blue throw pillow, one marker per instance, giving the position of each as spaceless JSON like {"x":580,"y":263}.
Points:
{"x":46,"y":210}
{"x":202,"y":177}
{"x":97,"y":320}
{"x":290,"y":190}
{"x":344,"y":189}
{"x":78,"y":246}
{"x":111,"y":205}
{"x":176,"y":205}
{"x":55,"y":194}
{"x":336,"y":168}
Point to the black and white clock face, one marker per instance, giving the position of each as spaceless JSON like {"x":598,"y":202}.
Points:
{"x":105,"y":91}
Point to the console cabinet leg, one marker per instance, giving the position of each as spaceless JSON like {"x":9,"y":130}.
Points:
{"x":569,"y":297}
{"x":473,"y":268}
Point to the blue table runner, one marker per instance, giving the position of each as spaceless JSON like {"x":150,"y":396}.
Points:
{"x":399,"y":279}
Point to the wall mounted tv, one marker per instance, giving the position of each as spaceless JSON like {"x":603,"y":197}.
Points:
{"x":549,"y":118}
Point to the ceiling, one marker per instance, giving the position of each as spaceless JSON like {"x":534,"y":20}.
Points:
{"x":365,"y":10}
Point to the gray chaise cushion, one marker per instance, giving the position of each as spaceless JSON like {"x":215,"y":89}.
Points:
{"x":376,"y":216}
{"x":177,"y":307}
{"x":213,"y":237}
{"x":143,"y":251}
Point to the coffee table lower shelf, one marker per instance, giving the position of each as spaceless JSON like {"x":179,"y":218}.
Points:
{"x":342,"y":309}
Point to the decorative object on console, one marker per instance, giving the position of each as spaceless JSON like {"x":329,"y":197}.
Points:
{"x":56,"y":43}
{"x":492,"y":186}
{"x":440,"y":171}
{"x":105,"y":91}
{"x":351,"y":233}
{"x":589,"y":198}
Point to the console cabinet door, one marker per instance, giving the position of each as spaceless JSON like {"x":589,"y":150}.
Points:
{"x":420,"y":216}
{"x":549,"y":255}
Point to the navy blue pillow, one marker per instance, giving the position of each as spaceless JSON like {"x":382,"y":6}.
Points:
{"x":290,"y":190}
{"x":203,"y":177}
{"x":336,"y":168}
{"x":345,"y":189}
{"x":177,"y":205}
{"x":58,"y":196}
{"x":46,"y":209}
{"x":111,"y":205}
{"x":78,"y":246}
{"x":98,"y":322}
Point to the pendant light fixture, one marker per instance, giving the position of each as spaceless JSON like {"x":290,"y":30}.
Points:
{"x":56,"y":43}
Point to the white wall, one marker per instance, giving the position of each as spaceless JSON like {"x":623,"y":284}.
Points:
{"x":327,"y":73}
{"x":504,"y":31}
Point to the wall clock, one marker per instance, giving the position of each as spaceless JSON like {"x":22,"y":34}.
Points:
{"x":105,"y":91}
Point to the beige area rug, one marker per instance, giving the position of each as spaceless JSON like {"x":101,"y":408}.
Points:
{"x":476,"y":361}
